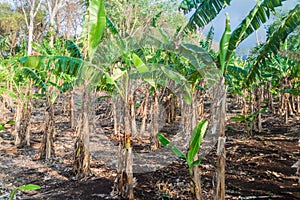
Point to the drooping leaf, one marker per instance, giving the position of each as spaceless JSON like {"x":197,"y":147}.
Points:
{"x":97,"y":22}
{"x":272,"y":45}
{"x":23,"y":187}
{"x":253,"y":21}
{"x":196,"y":140}
{"x":34,"y":62}
{"x":206,"y":11}
{"x":209,"y":38}
{"x":178,"y":152}
{"x":73,"y":49}
{"x":113,"y":29}
{"x":173,"y":75}
{"x":11,"y":122}
{"x":30,"y":187}
{"x":62,"y":64}
{"x":165,"y":142}
{"x":35,"y":77}
{"x":237,"y":71}
{"x":238,"y":119}
{"x":196,"y":163}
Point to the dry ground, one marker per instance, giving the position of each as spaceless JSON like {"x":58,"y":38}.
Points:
{"x":257,"y":167}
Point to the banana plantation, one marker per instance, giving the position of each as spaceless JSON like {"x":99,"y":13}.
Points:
{"x":140,"y":100}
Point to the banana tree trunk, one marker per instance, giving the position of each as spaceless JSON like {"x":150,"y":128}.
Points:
{"x":18,"y":118}
{"x":22,"y":119}
{"x":244,"y":100}
{"x":116,"y":125}
{"x":253,"y":125}
{"x":155,"y":123}
{"x":125,"y":160}
{"x":293,"y":104}
{"x":172,"y":108}
{"x":50,"y":132}
{"x":258,"y":107}
{"x":81,"y":164}
{"x":124,"y":180}
{"x":196,"y":179}
{"x":285,"y":108}
{"x":271,"y":99}
{"x":46,"y":150}
{"x":145,"y":113}
{"x":26,"y":128}
{"x":298,"y":104}
{"x":132,"y":114}
{"x":218,"y":115}
{"x":7,"y":101}
{"x":290,"y":103}
{"x":71,"y":110}
{"x":201,"y":105}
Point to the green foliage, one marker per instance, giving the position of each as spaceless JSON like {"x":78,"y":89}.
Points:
{"x":24,"y":187}
{"x":195,"y":142}
{"x":165,"y":142}
{"x":11,"y":20}
{"x":58,"y":66}
{"x":257,"y":16}
{"x":73,"y":49}
{"x":224,"y":45}
{"x":4,"y":90}
{"x":207,"y":42}
{"x":97,"y":22}
{"x":273,"y":43}
{"x":248,"y":119}
{"x":237,"y":72}
{"x":292,"y":91}
{"x":36,"y":77}
{"x":4,"y":45}
{"x":111,"y":26}
{"x":10,"y":122}
{"x":206,"y":11}
{"x":194,"y":147}
{"x":157,"y":60}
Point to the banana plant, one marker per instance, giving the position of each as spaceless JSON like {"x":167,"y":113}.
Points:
{"x":205,"y":12}
{"x":28,"y":187}
{"x":156,"y":69}
{"x":66,"y":67}
{"x":16,"y":88}
{"x":273,"y":44}
{"x":270,"y":50}
{"x":53,"y":72}
{"x":248,"y":120}
{"x":190,"y":157}
{"x":184,"y":67}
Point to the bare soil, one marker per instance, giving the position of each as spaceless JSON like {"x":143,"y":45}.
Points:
{"x":257,"y":167}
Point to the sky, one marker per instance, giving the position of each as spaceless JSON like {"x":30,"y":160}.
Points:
{"x":237,"y":11}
